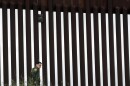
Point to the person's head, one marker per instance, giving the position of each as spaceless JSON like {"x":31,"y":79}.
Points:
{"x":38,"y":65}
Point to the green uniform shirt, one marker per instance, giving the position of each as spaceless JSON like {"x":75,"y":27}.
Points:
{"x":35,"y":75}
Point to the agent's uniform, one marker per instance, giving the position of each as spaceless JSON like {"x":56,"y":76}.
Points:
{"x":35,"y":76}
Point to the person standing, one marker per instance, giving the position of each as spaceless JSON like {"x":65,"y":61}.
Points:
{"x":35,"y":73}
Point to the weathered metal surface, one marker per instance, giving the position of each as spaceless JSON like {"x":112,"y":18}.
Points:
{"x":5,"y":41}
{"x":125,"y":26}
{"x":59,"y":49}
{"x":51,"y":40}
{"x":28,"y":36}
{"x":81,"y":6}
{"x":99,"y":4}
{"x":104,"y":49}
{"x":96,"y":44}
{"x":44,"y":52}
{"x":13,"y":44}
{"x":21,"y":56}
{"x":111,"y":45}
{"x":118,"y":39}
{"x":66,"y":32}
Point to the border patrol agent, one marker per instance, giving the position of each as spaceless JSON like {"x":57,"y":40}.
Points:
{"x":35,"y":74}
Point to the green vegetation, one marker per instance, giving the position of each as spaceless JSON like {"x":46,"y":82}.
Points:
{"x":29,"y":83}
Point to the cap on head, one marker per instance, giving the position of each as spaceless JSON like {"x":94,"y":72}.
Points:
{"x":38,"y":63}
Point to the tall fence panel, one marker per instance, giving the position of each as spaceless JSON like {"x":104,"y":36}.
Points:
{"x":77,"y":47}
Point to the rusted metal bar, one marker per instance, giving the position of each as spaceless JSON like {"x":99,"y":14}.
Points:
{"x":126,"y":50}
{"x":96,"y":42}
{"x":104,"y":50}
{"x":111,"y":43}
{"x":66,"y":35}
{"x":51,"y":40}
{"x":59,"y":43}
{"x":81,"y":44}
{"x":74,"y":47}
{"x":89,"y":42}
{"x":13,"y":47}
{"x":59,"y":49}
{"x":5,"y":42}
{"x":36,"y":39}
{"x":59,"y":54}
{"x":111,"y":48}
{"x":66,"y":32}
{"x":28,"y":37}
{"x":1,"y":3}
{"x":118,"y":39}
{"x":44,"y":52}
{"x":20,"y":29}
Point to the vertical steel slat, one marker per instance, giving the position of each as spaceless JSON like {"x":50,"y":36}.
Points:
{"x":51,"y":39}
{"x":66,"y":32}
{"x":110,"y":21}
{"x":104,"y":50}
{"x":81,"y":44}
{"x":126,"y":48}
{"x":59,"y":53}
{"x":118,"y":35}
{"x":5,"y":43}
{"x":59,"y":43}
{"x":36,"y":40}
{"x":96,"y":40}
{"x":0,"y":2}
{"x":20,"y":27}
{"x":74,"y":47}
{"x":89,"y":43}
{"x":44,"y":55}
{"x":13,"y":47}
{"x":28,"y":37}
{"x":110,"y":16}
